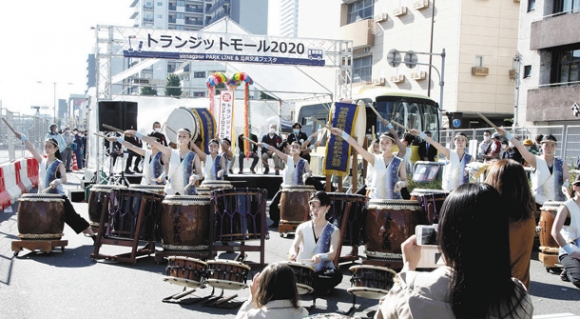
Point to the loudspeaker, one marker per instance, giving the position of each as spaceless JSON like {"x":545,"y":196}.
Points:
{"x":119,"y":114}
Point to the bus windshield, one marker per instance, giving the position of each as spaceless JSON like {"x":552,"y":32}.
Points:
{"x":411,"y":112}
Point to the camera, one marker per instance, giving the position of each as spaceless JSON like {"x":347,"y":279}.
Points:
{"x":426,"y":235}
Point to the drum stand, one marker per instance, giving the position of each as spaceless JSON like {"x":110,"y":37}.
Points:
{"x":45,"y":246}
{"x":131,"y":257}
{"x":211,"y":300}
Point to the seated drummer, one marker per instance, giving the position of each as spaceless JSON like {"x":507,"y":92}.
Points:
{"x":51,"y":176}
{"x":316,"y":244}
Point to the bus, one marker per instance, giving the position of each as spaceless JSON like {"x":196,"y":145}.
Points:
{"x":410,"y":109}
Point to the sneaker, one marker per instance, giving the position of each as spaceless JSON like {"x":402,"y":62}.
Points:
{"x":564,"y":276}
{"x":252,"y":170}
{"x":231,"y":171}
{"x":266,"y":170}
{"x":137,"y":170}
{"x":277,"y":172}
{"x":127,"y":171}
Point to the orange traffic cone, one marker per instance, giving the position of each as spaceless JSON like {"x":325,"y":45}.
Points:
{"x":75,"y":167}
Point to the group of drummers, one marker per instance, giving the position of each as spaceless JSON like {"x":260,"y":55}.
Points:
{"x":317,"y":241}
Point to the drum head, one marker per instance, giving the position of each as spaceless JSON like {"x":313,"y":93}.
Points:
{"x":190,"y":259}
{"x":183,"y":282}
{"x":303,"y":289}
{"x":298,"y":265}
{"x":181,"y":118}
{"x":370,"y":293}
{"x":228,"y":262}
{"x":226,"y":284}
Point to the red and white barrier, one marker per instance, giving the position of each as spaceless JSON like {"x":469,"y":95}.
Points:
{"x":10,"y":182}
{"x":5,"y":199}
{"x":23,"y":169}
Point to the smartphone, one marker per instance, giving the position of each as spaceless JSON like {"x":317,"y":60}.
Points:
{"x":426,"y":235}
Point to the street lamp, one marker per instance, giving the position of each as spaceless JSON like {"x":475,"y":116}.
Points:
{"x":54,"y":98}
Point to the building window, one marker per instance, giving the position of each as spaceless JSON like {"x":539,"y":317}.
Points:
{"x":160,"y":4}
{"x":478,"y":61}
{"x":531,"y":5}
{"x":566,"y":6}
{"x":527,"y":71}
{"x":360,"y":10}
{"x":160,"y":16}
{"x":198,"y":94}
{"x":179,"y":27}
{"x":199,"y":75}
{"x":362,"y":69}
{"x":180,"y":15}
{"x":567,"y":65}
{"x":180,"y":3}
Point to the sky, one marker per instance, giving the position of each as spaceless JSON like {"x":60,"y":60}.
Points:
{"x":49,"y":41}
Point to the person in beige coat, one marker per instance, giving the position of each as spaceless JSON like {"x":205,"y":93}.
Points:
{"x":476,"y":281}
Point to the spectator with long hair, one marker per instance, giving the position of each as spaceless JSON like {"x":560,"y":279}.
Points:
{"x":476,"y":281}
{"x":273,"y":295}
{"x":510,"y":180}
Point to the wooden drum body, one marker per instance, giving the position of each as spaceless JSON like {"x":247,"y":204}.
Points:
{"x":371,"y":282}
{"x":294,"y":207}
{"x":304,"y":276}
{"x":133,"y":213}
{"x":389,"y":223}
{"x":185,"y":271}
{"x":356,"y":207}
{"x":185,"y":222}
{"x":548,"y":246}
{"x":238,"y":214}
{"x":431,"y":200}
{"x":40,"y":216}
{"x":97,"y":196}
{"x":227,"y":274}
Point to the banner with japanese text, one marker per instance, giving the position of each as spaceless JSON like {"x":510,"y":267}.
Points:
{"x":217,"y":46}
{"x":226,"y":114}
{"x":338,"y":151}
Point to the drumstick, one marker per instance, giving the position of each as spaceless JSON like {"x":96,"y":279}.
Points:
{"x":317,"y":121}
{"x":46,"y":190}
{"x":305,"y":260}
{"x":100,"y":135}
{"x":172,"y":130}
{"x":382,"y":119}
{"x":487,"y":120}
{"x":113,"y":128}
{"x":10,"y":127}
{"x":245,"y":138}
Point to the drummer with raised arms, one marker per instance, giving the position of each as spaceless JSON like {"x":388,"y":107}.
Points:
{"x":182,"y":161}
{"x":457,"y":160}
{"x":51,"y":176}
{"x":214,"y":167}
{"x":316,"y":244}
{"x":389,"y":173}
{"x":154,"y":168}
{"x":550,"y":176}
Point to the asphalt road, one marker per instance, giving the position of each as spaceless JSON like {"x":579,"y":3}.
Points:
{"x":70,"y":284}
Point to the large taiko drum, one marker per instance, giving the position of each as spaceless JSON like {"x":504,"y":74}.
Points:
{"x":125,"y":219}
{"x":389,"y":223}
{"x":182,"y":117}
{"x":294,"y":207}
{"x":239,"y":213}
{"x":227,"y":274}
{"x":355,"y":206}
{"x":185,"y":222}
{"x":207,"y":186}
{"x":159,"y":189}
{"x":40,"y":216}
{"x":371,"y":282}
{"x":548,"y":246}
{"x":304,"y":276}
{"x":431,"y":200}
{"x":185,"y":271}
{"x":99,"y":194}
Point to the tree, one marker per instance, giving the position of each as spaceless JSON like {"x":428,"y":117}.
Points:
{"x":147,"y":90}
{"x":173,"y":86}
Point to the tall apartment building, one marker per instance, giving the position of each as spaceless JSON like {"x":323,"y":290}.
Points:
{"x":549,"y":68}
{"x":479,"y":38}
{"x":191,"y":15}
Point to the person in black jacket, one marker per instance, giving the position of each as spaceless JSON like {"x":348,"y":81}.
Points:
{"x":137,"y":142}
{"x":253,"y":152}
{"x":427,"y":152}
{"x":298,"y":135}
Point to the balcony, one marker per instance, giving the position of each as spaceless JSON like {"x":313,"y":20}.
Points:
{"x":218,"y":5}
{"x":148,"y":7}
{"x":555,"y":31}
{"x":362,"y":33}
{"x":552,"y":103}
{"x":172,"y":7}
{"x":193,"y":22}
{"x":171,"y":20}
{"x":193,"y":9}
{"x":219,"y":16}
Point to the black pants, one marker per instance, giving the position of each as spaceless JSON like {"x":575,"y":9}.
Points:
{"x":572,"y":266}
{"x":130,"y":160}
{"x":72,"y":218}
{"x":324,"y":282}
{"x":241,"y":157}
